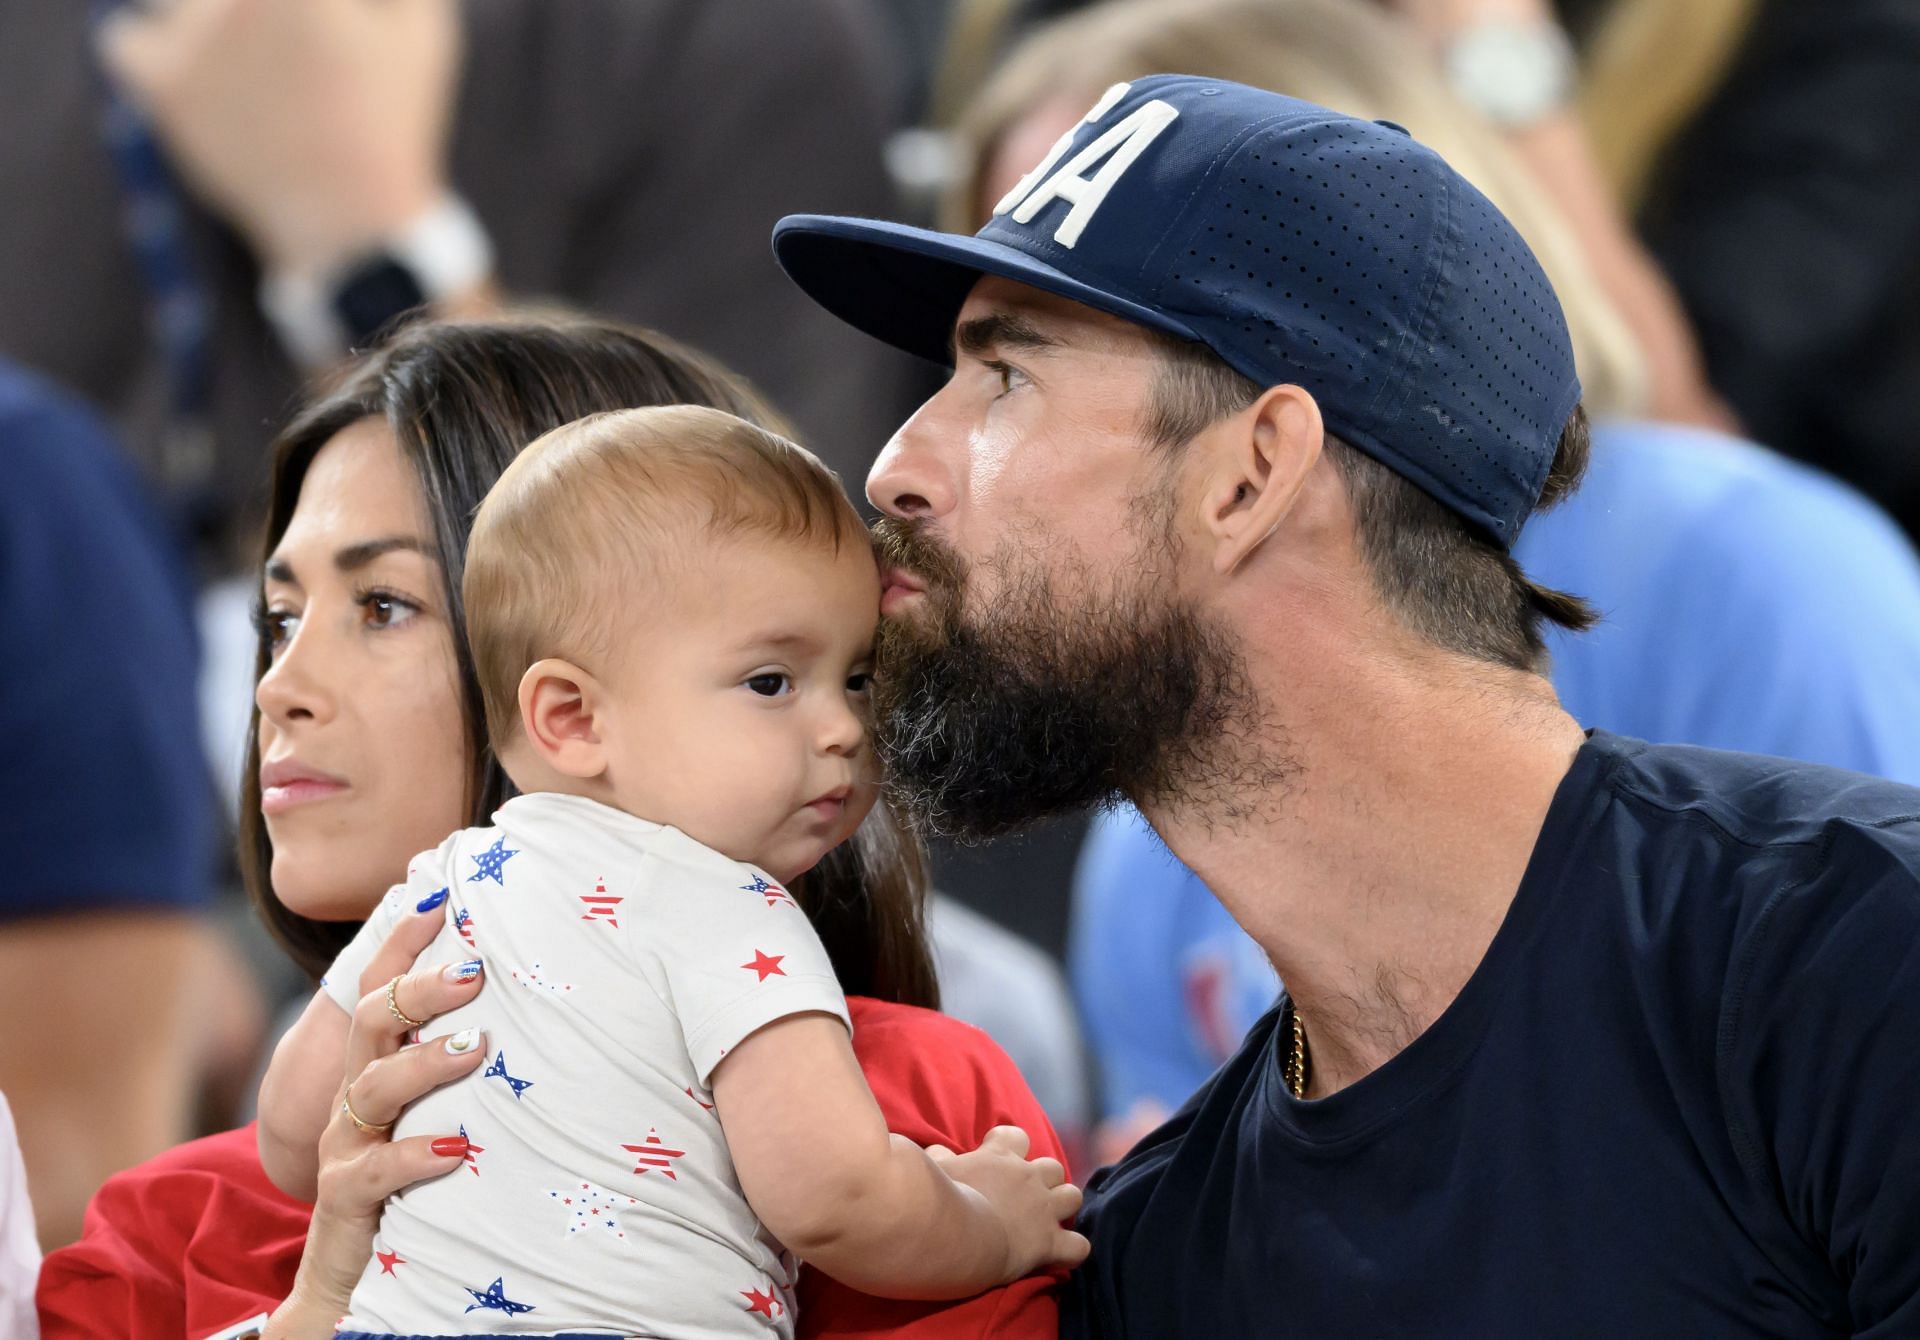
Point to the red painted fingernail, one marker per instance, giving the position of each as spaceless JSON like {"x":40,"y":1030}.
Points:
{"x":449,"y":1145}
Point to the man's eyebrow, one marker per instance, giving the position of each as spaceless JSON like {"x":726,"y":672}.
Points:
{"x":355,"y":556}
{"x":1001,"y":330}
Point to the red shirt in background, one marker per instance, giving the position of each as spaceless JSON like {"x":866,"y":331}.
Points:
{"x":197,"y":1240}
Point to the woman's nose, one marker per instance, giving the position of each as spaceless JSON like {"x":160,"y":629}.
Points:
{"x":297,"y":685}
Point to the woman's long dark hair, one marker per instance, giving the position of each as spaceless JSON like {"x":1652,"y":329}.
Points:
{"x":462,"y":399}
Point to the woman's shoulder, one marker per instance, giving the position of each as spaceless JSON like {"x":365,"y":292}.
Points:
{"x":193,"y":1240}
{"x":941,"y":1081}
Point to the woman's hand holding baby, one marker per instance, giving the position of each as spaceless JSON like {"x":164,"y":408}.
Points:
{"x":358,"y":1165}
{"x":1030,"y":1197}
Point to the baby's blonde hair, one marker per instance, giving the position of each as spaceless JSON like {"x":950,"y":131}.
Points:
{"x":590,"y":519}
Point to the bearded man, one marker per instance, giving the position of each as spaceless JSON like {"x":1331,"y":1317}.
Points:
{"x":1580,"y":1035}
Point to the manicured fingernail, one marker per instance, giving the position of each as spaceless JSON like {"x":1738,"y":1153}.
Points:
{"x":449,"y":1145}
{"x":459,"y":1044}
{"x":462,"y":972}
{"x":431,"y":901}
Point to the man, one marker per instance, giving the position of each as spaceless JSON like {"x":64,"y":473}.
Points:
{"x":1582,"y":1036}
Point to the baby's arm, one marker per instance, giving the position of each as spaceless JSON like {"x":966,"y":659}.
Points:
{"x":869,"y":1208}
{"x":302,"y":1083}
{"x":297,"y":1096}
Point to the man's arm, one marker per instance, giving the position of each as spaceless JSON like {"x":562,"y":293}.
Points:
{"x":872,"y":1209}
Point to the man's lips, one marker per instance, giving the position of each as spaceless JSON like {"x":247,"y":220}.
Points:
{"x":896,"y":587}
{"x":285,"y":783}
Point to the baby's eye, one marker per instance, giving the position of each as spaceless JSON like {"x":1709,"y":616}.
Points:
{"x":771,"y":684}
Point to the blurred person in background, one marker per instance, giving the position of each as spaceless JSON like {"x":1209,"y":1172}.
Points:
{"x":1749,"y":603}
{"x":106,"y":814}
{"x":209,"y":199}
{"x":367,"y":688}
{"x":1770,"y":153}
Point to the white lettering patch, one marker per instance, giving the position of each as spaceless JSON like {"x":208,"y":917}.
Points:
{"x":1114,"y":152}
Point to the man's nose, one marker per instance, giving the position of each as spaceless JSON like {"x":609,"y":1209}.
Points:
{"x":912,"y":477}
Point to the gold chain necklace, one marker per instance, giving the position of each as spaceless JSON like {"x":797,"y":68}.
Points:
{"x":1294,"y":1071}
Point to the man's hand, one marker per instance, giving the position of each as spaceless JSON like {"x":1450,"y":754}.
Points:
{"x":318,"y":128}
{"x":1030,"y":1197}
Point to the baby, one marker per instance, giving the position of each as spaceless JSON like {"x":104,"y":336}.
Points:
{"x":672,"y":615}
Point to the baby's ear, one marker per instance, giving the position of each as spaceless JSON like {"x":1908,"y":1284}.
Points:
{"x":559,"y":710}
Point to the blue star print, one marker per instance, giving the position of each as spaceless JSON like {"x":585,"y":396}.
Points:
{"x":494,"y":1299}
{"x":490,"y":862}
{"x":759,"y":885}
{"x":499,"y":1069}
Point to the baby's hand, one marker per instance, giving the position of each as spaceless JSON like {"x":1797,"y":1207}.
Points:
{"x":1030,"y":1197}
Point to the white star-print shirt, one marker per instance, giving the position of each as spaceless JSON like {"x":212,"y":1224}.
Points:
{"x":623,"y":960}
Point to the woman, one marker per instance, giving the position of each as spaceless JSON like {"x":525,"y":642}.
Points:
{"x":366,"y":751}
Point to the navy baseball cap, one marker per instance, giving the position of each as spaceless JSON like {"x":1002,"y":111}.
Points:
{"x":1300,"y":245}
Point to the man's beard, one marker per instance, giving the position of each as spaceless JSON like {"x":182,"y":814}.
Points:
{"x":1042,"y":705}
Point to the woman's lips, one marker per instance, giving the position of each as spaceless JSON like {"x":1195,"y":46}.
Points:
{"x":286,"y":784}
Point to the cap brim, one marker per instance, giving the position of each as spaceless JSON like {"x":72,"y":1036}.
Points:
{"x":906,"y":285}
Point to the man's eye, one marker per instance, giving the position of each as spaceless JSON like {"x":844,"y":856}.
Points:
{"x":770,"y":685}
{"x":861,"y":682}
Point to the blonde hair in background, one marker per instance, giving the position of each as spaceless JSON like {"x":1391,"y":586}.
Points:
{"x":1649,"y":67}
{"x":1345,"y":54}
{"x":588,"y":529}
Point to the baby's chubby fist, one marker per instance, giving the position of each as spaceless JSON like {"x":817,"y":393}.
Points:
{"x":1030,"y":1197}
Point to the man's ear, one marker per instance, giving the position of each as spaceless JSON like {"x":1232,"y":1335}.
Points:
{"x":1261,"y":458}
{"x":560,"y":714}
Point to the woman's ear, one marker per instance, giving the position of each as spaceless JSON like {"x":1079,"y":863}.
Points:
{"x":1261,"y":459}
{"x":560,"y":714}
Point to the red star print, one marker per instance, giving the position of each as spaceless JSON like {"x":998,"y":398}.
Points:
{"x":388,"y":1260}
{"x":698,"y":1099}
{"x":764,"y":1303}
{"x":653,"y":1156}
{"x":767,"y":965}
{"x":601,"y":904}
{"x":777,"y":895}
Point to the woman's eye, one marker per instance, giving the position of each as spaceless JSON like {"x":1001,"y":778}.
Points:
{"x":387,"y":611}
{"x":770,"y":685}
{"x":275,"y":626}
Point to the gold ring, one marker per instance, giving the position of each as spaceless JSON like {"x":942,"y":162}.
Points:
{"x":346,"y":1106}
{"x":393,"y":1007}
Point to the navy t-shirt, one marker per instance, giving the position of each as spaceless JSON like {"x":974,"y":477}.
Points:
{"x":105,"y":796}
{"x":1679,"y":1096}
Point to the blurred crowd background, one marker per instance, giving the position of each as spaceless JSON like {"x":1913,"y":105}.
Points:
{"x":1726,"y":194}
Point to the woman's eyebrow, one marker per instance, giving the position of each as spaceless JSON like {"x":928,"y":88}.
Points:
{"x":359,"y":555}
{"x":355,"y":556}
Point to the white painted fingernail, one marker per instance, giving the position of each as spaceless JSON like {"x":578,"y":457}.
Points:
{"x":459,"y":1044}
